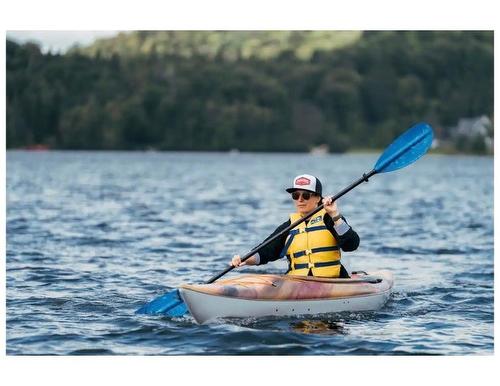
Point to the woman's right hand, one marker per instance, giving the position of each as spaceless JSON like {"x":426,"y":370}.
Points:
{"x":236,"y":261}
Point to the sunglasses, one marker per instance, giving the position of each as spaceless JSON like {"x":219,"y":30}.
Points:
{"x":305,"y":195}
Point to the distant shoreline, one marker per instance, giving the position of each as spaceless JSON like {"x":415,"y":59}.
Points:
{"x":235,"y":153}
{"x":431,"y":151}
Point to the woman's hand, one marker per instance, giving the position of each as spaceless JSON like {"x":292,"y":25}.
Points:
{"x":236,"y":261}
{"x":330,"y":206}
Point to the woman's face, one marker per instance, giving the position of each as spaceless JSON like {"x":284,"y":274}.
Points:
{"x":304,"y":206}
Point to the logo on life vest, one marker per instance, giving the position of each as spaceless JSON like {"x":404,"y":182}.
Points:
{"x":302,"y":181}
{"x":315,"y":220}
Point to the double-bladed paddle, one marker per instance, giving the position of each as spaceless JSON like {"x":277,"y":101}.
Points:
{"x":406,"y":149}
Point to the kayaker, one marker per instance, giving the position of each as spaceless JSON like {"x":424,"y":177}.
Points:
{"x":313,"y":247}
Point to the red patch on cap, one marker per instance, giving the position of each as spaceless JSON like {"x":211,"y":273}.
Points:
{"x":302,"y":181}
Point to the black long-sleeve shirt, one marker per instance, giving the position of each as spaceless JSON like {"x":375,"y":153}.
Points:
{"x":349,"y":241}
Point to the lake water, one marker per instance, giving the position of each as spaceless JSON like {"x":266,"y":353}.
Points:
{"x":91,"y":236}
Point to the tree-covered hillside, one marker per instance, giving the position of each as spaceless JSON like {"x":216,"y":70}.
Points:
{"x":229,"y":45}
{"x":216,"y":91}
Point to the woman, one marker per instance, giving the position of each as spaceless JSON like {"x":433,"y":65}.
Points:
{"x":313,"y":247}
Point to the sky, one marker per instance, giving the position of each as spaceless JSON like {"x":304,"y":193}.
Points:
{"x":58,"y":41}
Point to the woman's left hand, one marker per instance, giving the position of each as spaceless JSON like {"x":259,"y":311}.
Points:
{"x":330,"y":206}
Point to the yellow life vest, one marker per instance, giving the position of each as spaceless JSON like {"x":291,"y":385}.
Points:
{"x":312,"y":247}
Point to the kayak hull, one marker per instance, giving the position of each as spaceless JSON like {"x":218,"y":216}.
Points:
{"x":206,"y":303}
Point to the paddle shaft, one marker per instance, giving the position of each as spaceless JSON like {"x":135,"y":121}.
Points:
{"x":364,"y":178}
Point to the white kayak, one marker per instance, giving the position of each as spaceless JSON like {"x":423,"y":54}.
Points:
{"x":286,"y":295}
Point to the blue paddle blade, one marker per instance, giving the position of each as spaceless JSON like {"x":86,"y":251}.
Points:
{"x":406,"y":149}
{"x":178,"y":310}
{"x":169,"y":304}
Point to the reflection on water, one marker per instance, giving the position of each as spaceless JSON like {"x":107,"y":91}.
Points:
{"x":321,"y":327}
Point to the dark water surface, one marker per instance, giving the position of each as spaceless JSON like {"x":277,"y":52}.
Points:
{"x":91,"y":236}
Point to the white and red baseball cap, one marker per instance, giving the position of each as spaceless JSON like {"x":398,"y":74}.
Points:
{"x":306,"y":182}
